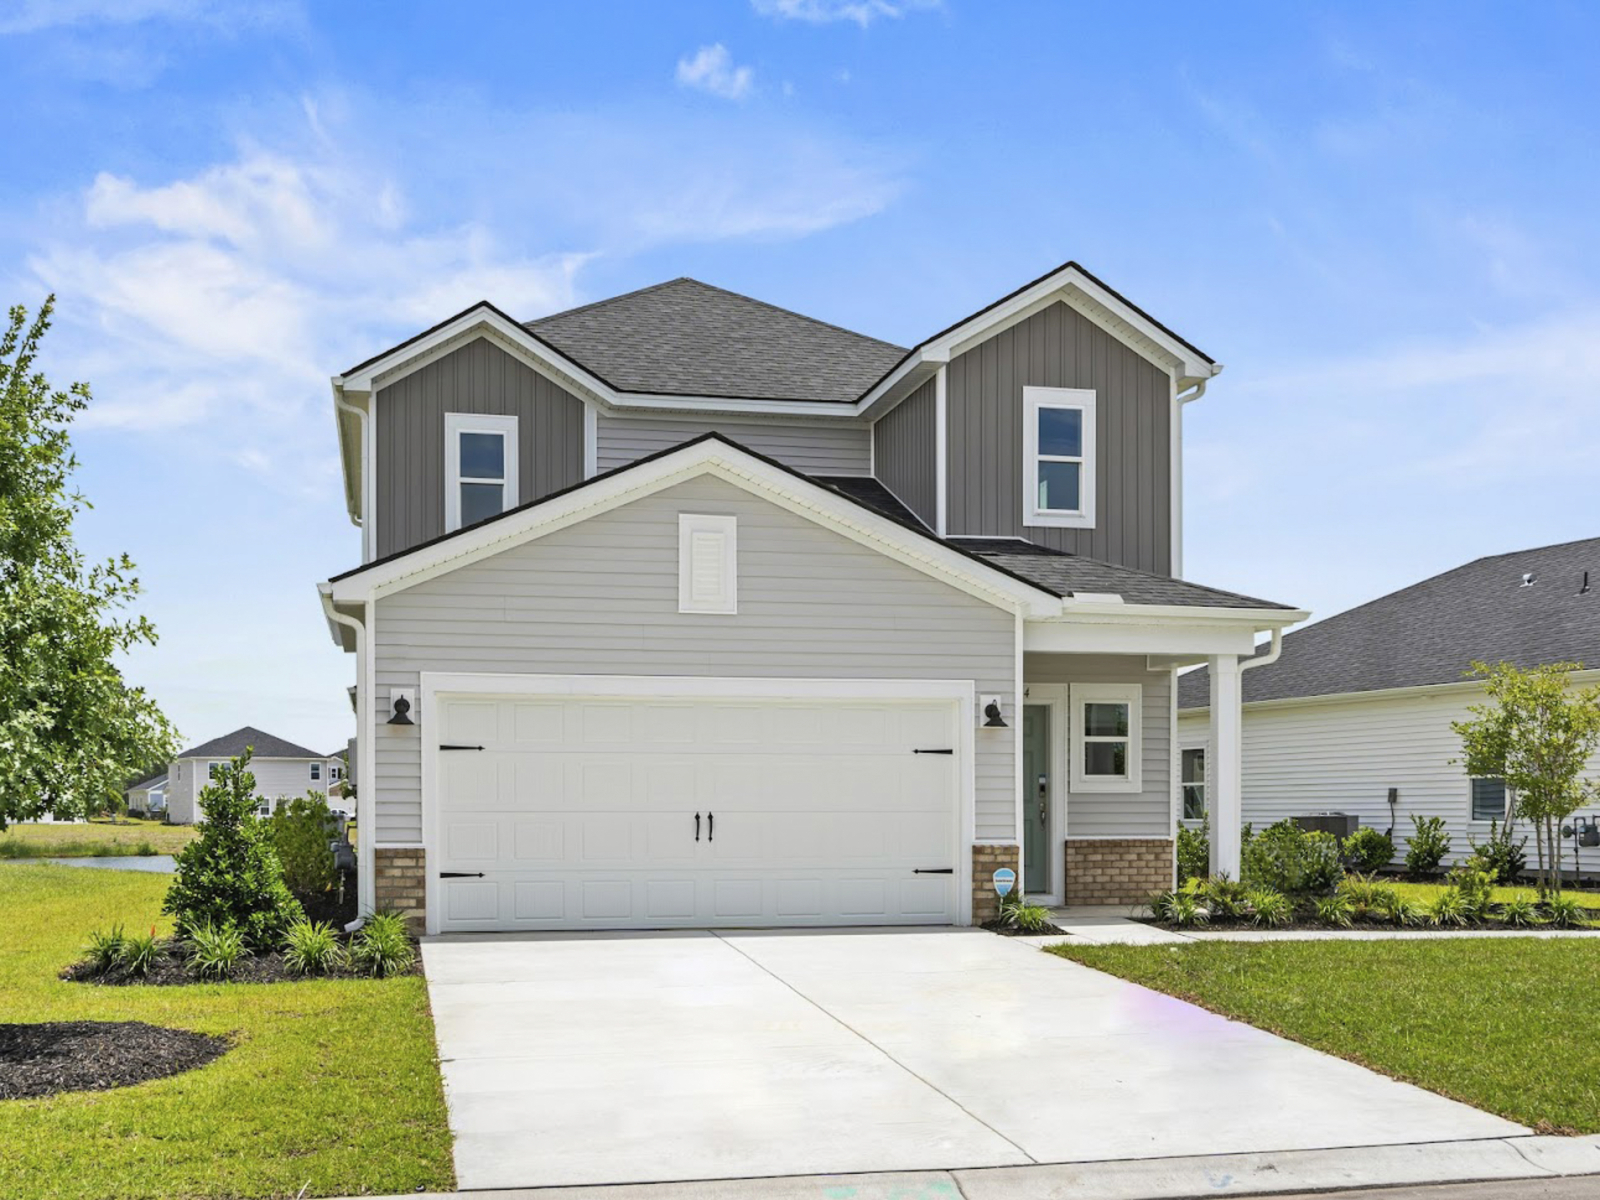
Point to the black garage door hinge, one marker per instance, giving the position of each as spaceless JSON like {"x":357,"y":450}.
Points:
{"x":460,"y":874}
{"x":933,"y":870}
{"x":933,"y":752}
{"x":452,"y":746}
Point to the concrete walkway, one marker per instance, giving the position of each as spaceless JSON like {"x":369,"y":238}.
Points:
{"x":627,"y":1058}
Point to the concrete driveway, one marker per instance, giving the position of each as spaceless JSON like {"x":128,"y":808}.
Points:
{"x":589,"y":1059}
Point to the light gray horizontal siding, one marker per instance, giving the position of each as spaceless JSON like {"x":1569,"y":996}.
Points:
{"x":817,"y":447}
{"x":601,"y":597}
{"x":1057,"y":347}
{"x":478,"y":378}
{"x":1345,"y":756}
{"x":1147,"y":813}
{"x":905,"y":448}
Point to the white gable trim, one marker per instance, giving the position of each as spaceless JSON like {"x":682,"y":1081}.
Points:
{"x":722,"y":461}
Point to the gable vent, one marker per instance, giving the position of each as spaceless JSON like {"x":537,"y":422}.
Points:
{"x":707,"y":563}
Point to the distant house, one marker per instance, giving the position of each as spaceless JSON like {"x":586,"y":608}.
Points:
{"x":282,"y":769}
{"x":149,"y":795}
{"x":1358,"y":707}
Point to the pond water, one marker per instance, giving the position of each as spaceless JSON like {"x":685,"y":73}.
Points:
{"x":162,"y":863}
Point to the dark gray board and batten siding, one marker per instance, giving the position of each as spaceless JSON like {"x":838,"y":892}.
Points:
{"x":477,"y":378}
{"x":814,"y":446}
{"x":905,"y":445}
{"x":1057,"y":347}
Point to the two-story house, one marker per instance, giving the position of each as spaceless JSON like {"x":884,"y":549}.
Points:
{"x":282,"y":770}
{"x":681,"y":609}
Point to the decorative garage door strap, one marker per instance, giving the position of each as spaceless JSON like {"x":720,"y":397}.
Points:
{"x":460,"y":874}
{"x":933,"y":752}
{"x":451,"y":746}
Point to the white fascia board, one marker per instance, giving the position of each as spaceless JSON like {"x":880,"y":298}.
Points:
{"x":1047,"y":290}
{"x":1162,"y":631}
{"x":808,"y":500}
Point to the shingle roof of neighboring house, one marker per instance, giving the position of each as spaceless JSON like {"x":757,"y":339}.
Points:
{"x":688,"y":338}
{"x":230,"y":745}
{"x":146,"y":784}
{"x":1069,"y":574}
{"x":1430,"y":632}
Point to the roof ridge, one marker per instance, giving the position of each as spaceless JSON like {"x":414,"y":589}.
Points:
{"x":604,"y":300}
{"x":1527,"y":550}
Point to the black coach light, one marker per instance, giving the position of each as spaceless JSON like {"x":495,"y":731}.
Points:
{"x":991,"y":714}
{"x":402,"y":712}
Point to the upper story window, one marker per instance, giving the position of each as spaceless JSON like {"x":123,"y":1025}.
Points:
{"x":1058,"y":457}
{"x":480,"y":467}
{"x":316,"y":772}
{"x":213,"y":769}
{"x":335,"y":772}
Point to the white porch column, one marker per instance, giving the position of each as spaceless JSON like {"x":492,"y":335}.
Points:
{"x":1225,"y":765}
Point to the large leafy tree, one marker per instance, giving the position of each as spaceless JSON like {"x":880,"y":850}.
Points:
{"x":71,"y":727}
{"x":1536,"y":732}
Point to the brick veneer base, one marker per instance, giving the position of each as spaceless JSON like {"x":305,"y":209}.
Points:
{"x":400,"y":882}
{"x":1118,"y":870}
{"x":986,"y":860}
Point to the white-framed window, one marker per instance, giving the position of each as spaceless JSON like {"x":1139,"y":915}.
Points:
{"x":708,"y":563}
{"x":1105,"y":741}
{"x":335,"y":772}
{"x":213,"y":769}
{"x":1488,"y":799}
{"x":1058,"y":442}
{"x":1192,"y":776}
{"x":316,"y":772}
{"x":480,"y":467}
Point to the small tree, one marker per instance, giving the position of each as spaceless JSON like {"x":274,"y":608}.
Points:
{"x":301,"y":832}
{"x":1536,"y":733}
{"x":230,"y":874}
{"x":71,"y":728}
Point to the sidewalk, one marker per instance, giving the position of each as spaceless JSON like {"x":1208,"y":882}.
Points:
{"x":1532,"y":1158}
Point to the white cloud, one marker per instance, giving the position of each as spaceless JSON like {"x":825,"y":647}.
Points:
{"x":822,"y":12}
{"x":712,"y":70}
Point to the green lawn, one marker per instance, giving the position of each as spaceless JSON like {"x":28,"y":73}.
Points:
{"x":1499,"y":1023}
{"x":100,"y":837}
{"x":1422,"y":893}
{"x":331,"y":1085}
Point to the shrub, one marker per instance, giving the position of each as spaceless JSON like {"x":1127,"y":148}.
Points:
{"x":229,"y":876}
{"x":1521,"y":912}
{"x":1426,"y":848}
{"x":215,"y":950}
{"x":1507,"y":860}
{"x":1389,"y":905}
{"x":1450,"y":907}
{"x":1270,"y":908}
{"x":301,"y":831}
{"x":1017,"y":913}
{"x":104,"y":949}
{"x":1226,"y":898}
{"x":138,"y":953}
{"x":311,"y":949}
{"x":383,"y":946}
{"x":1288,"y":859}
{"x":1366,"y":850}
{"x":1184,"y":908}
{"x":1476,"y":886}
{"x":1366,"y":895}
{"x":1194,"y":851}
{"x":1336,"y":909}
{"x":1564,"y":912}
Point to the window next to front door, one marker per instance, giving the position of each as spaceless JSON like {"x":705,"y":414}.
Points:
{"x":1058,"y":444}
{"x":1105,"y":737}
{"x":1194,"y":784}
{"x":480,"y":467}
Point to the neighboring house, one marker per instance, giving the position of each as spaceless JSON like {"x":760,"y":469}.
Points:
{"x":282,"y":769}
{"x":680,"y":609}
{"x":1357,"y":710}
{"x":338,"y":775}
{"x":149,"y":795}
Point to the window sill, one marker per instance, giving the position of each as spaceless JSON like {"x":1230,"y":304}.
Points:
{"x":1046,"y":520}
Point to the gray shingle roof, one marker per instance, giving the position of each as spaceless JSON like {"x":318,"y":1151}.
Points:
{"x":1067,"y":574}
{"x":869,"y":493}
{"x":153,"y":781}
{"x":688,"y":338}
{"x":1430,"y":632}
{"x":230,"y":745}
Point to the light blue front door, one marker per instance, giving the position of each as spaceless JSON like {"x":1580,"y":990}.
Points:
{"x":1036,"y":798}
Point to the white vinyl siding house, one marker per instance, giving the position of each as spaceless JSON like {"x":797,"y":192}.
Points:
{"x":283,"y":771}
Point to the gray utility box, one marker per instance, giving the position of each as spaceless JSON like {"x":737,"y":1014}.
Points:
{"x":1341,"y":825}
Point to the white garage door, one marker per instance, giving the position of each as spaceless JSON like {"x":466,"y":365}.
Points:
{"x":612,"y":813}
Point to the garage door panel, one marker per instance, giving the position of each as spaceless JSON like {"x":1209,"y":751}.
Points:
{"x":581,"y":813}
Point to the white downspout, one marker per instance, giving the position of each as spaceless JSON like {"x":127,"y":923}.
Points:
{"x":1267,"y":659}
{"x":1176,"y":450}
{"x":366,"y":807}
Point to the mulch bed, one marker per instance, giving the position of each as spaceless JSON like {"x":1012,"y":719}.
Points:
{"x":170,"y":970}
{"x":1357,"y":927}
{"x":92,"y":1056}
{"x":1013,"y":931}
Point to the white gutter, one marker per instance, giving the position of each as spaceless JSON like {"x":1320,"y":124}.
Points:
{"x":1270,"y":657}
{"x":366,"y":807}
{"x":340,"y":404}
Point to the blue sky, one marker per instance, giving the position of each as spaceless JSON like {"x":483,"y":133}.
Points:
{"x":1380,"y":216}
